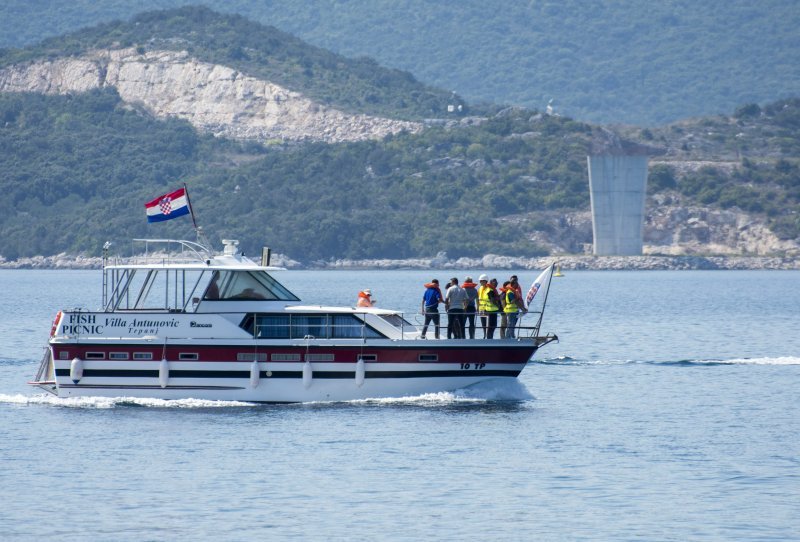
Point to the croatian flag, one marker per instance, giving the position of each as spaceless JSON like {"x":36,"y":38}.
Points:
{"x":537,"y":284}
{"x":168,"y":206}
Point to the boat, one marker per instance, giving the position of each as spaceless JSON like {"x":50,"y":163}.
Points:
{"x":185,"y":322}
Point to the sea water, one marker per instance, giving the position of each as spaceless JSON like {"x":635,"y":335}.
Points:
{"x":667,"y":411}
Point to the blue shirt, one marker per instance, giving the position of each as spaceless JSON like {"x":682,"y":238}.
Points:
{"x":432,"y":297}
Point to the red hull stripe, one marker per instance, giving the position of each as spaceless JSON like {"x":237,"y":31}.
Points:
{"x":512,"y":353}
{"x":349,"y":375}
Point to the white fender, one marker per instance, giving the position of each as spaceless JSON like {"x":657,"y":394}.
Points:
{"x":360,"y":370}
{"x":308,"y":374}
{"x":255,"y":374}
{"x":163,"y":373}
{"x":76,"y":370}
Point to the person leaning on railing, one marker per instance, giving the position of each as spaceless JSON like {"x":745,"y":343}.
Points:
{"x":488,"y":305}
{"x":512,"y":305}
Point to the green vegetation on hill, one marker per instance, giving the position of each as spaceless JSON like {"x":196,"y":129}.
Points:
{"x":357,"y":85}
{"x":76,"y":171}
{"x":628,"y":61}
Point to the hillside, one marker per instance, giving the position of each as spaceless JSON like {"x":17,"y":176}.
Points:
{"x":78,"y":162}
{"x":634,"y":62}
{"x":246,"y":49}
{"x":409,"y":194}
{"x":76,"y":171}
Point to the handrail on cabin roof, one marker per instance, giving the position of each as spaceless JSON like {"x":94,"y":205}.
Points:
{"x":202,"y":252}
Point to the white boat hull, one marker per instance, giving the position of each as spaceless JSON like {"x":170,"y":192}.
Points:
{"x":277,"y":383}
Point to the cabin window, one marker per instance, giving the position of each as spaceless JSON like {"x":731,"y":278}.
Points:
{"x":348,"y":326}
{"x":319,"y":357}
{"x":272,"y":326}
{"x":398,"y":321}
{"x":117,"y":355}
{"x":188,"y":356}
{"x":245,"y":286}
{"x":63,"y":355}
{"x":251,"y":356}
{"x":368,"y":357}
{"x":305,"y":325}
{"x":299,"y":326}
{"x":285,"y":357}
{"x":429,"y":357}
{"x":155,"y":289}
{"x":143,"y":356}
{"x":95,"y":355}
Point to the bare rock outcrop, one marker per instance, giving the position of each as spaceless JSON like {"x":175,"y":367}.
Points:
{"x":673,"y":229}
{"x":213,"y":98}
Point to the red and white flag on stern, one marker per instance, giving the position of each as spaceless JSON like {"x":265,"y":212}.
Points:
{"x":168,"y":206}
{"x":537,"y":284}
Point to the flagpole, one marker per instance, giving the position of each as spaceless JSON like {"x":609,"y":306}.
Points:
{"x":201,"y":238}
{"x":544,"y":303}
{"x":191,"y":209}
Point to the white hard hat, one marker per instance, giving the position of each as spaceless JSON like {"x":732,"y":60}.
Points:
{"x":483,"y":277}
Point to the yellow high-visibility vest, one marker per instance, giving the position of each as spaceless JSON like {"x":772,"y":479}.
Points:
{"x":511,"y":306}
{"x":485,"y":303}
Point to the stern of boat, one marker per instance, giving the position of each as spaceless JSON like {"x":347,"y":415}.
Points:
{"x":46,"y":377}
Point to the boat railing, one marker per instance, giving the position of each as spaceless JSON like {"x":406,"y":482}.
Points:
{"x":411,"y":326}
{"x":476,"y":325}
{"x":168,"y":251}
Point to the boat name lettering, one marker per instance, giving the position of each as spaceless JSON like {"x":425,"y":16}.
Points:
{"x":82,"y":318}
{"x":477,"y":366}
{"x":81,"y":324}
{"x":149,"y":327}
{"x":199,"y":324}
{"x":116,"y":322}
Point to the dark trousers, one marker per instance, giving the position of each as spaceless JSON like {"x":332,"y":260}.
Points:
{"x":489,"y":324}
{"x":455,"y":324}
{"x":511,"y":318}
{"x":469,"y":317}
{"x":431,"y":315}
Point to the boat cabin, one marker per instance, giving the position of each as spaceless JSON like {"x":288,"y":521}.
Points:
{"x":192,"y":281}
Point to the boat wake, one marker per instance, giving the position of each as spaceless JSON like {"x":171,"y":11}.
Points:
{"x":782,"y":360}
{"x":484,"y":392}
{"x":490,"y":391}
{"x":566,"y":360}
{"x":112,"y":402}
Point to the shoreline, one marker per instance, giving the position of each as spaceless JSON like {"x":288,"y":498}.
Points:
{"x":490,"y":261}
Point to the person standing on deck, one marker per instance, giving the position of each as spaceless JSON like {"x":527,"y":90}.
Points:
{"x":503,"y":313}
{"x":518,"y":295}
{"x":488,"y":305}
{"x":430,"y":307}
{"x":512,"y":305}
{"x":470,"y":310}
{"x":455,"y":300}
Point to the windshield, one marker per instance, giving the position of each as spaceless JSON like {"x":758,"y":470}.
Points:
{"x":246,"y":285}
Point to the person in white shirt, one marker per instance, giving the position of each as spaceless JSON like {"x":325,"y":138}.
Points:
{"x":455,"y":300}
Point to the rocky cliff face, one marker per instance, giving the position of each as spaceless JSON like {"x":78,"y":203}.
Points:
{"x":674,"y":229}
{"x":213,"y":98}
{"x":671,"y":228}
